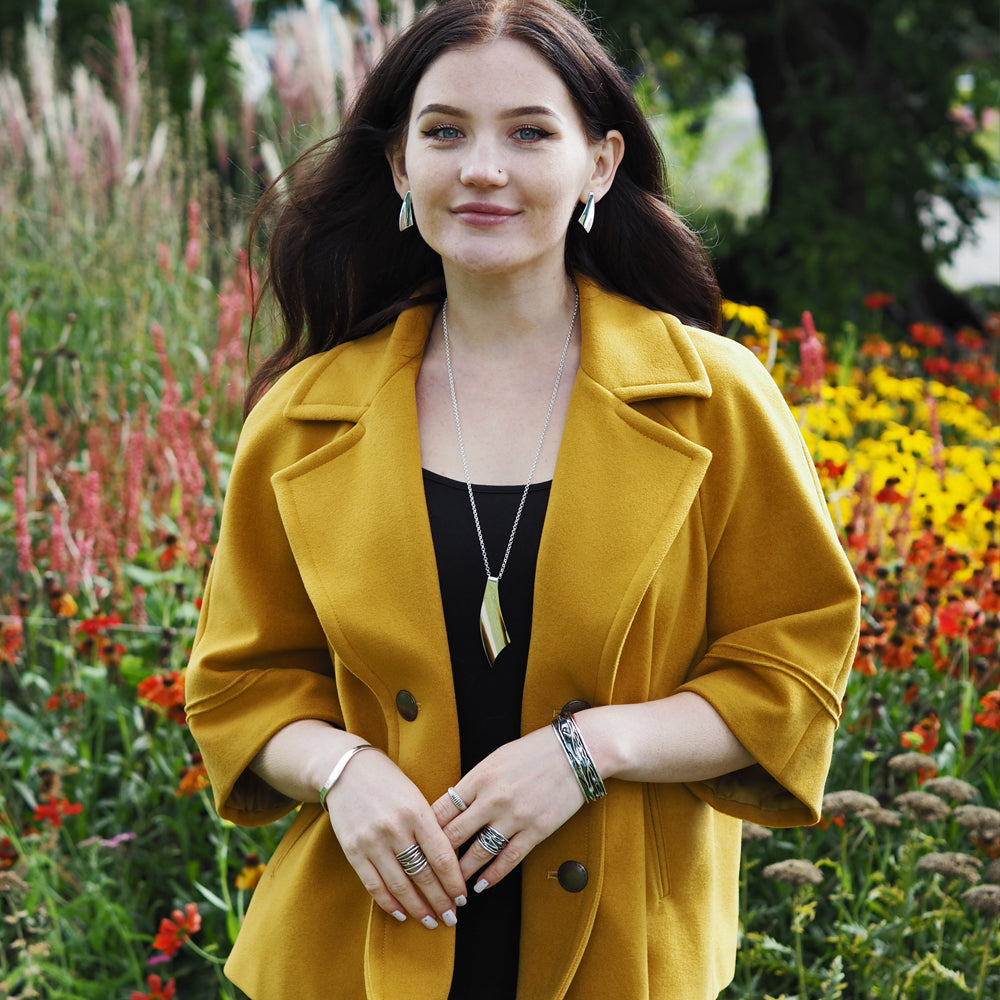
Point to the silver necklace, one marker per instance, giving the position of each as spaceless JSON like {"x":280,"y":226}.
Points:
{"x":492,"y":627}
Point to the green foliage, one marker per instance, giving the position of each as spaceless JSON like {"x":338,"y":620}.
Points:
{"x":872,"y":113}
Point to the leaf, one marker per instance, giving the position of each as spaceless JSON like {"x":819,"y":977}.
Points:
{"x":216,"y":901}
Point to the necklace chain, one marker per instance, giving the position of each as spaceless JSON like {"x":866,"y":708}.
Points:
{"x":538,"y":450}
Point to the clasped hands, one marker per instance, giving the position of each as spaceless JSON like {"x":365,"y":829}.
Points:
{"x":525,"y":790}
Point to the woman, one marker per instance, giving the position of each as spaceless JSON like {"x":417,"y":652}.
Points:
{"x":525,"y":588}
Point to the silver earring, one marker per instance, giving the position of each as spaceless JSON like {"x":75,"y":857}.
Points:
{"x":406,"y":212}
{"x":587,"y":215}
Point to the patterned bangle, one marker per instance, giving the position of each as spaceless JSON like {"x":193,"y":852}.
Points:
{"x":571,"y":740}
{"x":339,"y":769}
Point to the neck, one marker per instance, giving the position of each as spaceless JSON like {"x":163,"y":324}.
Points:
{"x":489,"y":317}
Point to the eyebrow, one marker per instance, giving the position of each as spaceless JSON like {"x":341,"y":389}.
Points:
{"x":528,"y":111}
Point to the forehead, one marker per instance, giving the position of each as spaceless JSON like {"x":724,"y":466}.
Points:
{"x":501,"y":72}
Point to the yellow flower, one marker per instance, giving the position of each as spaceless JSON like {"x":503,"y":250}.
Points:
{"x":752,"y":317}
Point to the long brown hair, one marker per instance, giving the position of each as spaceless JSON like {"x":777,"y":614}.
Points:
{"x":336,"y":262}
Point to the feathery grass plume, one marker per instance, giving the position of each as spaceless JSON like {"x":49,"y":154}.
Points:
{"x":751,"y":832}
{"x":983,"y":898}
{"x":979,"y":819}
{"x":794,"y":871}
{"x":848,"y":803}
{"x":992,"y":873}
{"x":948,"y":787}
{"x":922,"y":805}
{"x":951,"y":864}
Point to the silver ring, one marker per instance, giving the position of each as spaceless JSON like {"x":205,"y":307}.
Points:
{"x":492,"y":841}
{"x":457,"y":799}
{"x":413,"y":860}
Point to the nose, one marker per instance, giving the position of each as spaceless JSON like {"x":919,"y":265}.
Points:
{"x":482,"y":166}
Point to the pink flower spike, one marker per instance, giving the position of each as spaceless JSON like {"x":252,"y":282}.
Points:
{"x":25,"y":560}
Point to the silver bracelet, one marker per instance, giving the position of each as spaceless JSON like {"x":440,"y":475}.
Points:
{"x":339,"y":769}
{"x":571,"y":740}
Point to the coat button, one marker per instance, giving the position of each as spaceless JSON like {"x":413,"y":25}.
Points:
{"x":576,"y":705}
{"x":572,"y":876}
{"x":407,"y":705}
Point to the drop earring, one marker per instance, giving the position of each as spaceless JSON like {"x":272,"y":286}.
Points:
{"x":406,"y":212}
{"x":587,"y":215}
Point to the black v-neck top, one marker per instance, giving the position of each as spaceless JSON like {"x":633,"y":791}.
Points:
{"x":488,"y":698}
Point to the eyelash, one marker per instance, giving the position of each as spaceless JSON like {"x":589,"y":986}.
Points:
{"x":435,"y":133}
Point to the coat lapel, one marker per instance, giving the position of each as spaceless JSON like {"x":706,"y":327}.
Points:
{"x":355,"y":515}
{"x":623,"y":487}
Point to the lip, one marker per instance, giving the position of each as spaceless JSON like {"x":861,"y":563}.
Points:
{"x":481,"y":213}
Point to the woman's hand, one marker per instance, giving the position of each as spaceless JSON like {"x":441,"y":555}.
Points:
{"x":525,"y":790}
{"x":376,"y":813}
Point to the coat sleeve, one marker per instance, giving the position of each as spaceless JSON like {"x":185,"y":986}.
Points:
{"x":260,"y":659}
{"x":783,"y":601}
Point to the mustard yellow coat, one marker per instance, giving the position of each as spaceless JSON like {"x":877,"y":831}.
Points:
{"x":687,"y":546}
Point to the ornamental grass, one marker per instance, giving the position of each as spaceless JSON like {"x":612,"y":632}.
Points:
{"x":125,"y":309}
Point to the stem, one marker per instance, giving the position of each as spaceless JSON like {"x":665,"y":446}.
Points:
{"x":981,"y":982}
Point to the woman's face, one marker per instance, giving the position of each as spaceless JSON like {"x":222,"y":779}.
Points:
{"x":497,"y":159}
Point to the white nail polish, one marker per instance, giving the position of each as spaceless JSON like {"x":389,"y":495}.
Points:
{"x":480,"y":885}
{"x":460,"y":900}
{"x":449,"y":918}
{"x":399,"y":915}
{"x":429,"y":922}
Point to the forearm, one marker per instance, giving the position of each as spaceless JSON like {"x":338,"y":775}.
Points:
{"x":675,"y":739}
{"x":298,"y":759}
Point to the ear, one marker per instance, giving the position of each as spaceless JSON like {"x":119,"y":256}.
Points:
{"x":608,"y":155}
{"x":397,"y":164}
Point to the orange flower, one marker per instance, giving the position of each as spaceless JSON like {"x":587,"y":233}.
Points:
{"x":63,"y":605}
{"x":176,"y":929}
{"x":923,"y":737}
{"x":166,"y":692}
{"x":11,"y":640}
{"x":157,"y":990}
{"x":990,"y":714}
{"x":193,"y":778}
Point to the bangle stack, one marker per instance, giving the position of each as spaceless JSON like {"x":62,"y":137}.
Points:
{"x":571,"y":740}
{"x":338,"y":770}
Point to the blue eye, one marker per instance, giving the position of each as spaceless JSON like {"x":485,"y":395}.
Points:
{"x":443,"y":132}
{"x":530,"y":133}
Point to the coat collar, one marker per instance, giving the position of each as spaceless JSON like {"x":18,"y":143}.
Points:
{"x":633,"y":352}
{"x":355,"y":516}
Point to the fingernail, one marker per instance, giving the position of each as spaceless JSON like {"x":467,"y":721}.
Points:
{"x":429,"y":922}
{"x":449,"y":918}
{"x":460,"y":900}
{"x":399,"y":915}
{"x":480,"y":885}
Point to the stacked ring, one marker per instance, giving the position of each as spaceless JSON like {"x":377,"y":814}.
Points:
{"x":457,"y":799}
{"x":413,"y":860}
{"x":492,"y":841}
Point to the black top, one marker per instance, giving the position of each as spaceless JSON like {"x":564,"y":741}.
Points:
{"x":488,"y":698}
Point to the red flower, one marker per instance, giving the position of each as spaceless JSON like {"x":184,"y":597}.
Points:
{"x":8,"y":853}
{"x":11,"y":640}
{"x":889,"y":493}
{"x":956,"y":618}
{"x":174,"y":932}
{"x":157,"y":990}
{"x":99,"y":624}
{"x":926,"y":335}
{"x":54,"y":810}
{"x":879,"y":300}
